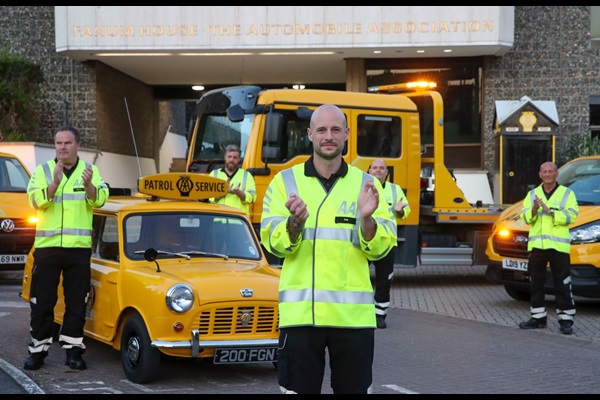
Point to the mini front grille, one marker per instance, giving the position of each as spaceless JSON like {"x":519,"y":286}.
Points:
{"x":239,"y":320}
{"x":512,"y":246}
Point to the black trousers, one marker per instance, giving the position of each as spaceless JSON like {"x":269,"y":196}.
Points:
{"x":301,"y":359}
{"x":560,"y":267}
{"x":74,"y":266}
{"x":384,"y":272}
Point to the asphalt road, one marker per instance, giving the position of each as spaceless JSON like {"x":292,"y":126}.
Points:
{"x":449,"y":331}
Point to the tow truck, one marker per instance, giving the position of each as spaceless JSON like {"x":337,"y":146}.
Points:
{"x":270,"y":126}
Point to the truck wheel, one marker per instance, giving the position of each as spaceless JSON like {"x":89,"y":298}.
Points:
{"x":140,"y":360}
{"x":517,"y":294}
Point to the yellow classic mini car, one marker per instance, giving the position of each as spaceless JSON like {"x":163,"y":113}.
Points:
{"x":175,"y":275}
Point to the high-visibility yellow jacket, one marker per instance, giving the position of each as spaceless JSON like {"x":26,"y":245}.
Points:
{"x":245,"y":180}
{"x":325,"y":277}
{"x":550,"y":231}
{"x":393,"y":194}
{"x":66,"y":219}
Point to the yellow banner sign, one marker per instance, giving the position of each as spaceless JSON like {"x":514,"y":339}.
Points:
{"x":182,"y":186}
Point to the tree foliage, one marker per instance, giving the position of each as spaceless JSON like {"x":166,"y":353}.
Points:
{"x":20,"y":84}
{"x":581,"y":145}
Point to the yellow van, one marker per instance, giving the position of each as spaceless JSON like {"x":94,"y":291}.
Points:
{"x":173,"y":275}
{"x":507,"y":245}
{"x":17,"y":219}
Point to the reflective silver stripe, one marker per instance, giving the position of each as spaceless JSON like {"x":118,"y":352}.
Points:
{"x":325,"y":296}
{"x":394,"y":197}
{"x":274,"y":221}
{"x":289,"y":181}
{"x":74,"y":196}
{"x":267,"y":200}
{"x":327,"y":233}
{"x":48,"y":173}
{"x":539,"y":312}
{"x":563,"y":202}
{"x":245,"y":182}
{"x":77,"y":232}
{"x":549,"y":237}
{"x":46,"y":233}
{"x":390,"y":225}
{"x":67,"y":231}
{"x":532,"y":198}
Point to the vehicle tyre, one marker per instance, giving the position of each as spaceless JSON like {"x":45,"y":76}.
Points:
{"x":140,"y":360}
{"x":517,"y":294}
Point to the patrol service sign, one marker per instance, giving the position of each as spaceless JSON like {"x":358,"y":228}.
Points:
{"x":182,"y":186}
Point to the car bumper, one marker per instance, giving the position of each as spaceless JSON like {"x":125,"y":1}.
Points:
{"x":585,"y":279}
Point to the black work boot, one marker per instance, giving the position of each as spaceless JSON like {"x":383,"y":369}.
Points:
{"x":74,"y":359}
{"x":533,"y":323}
{"x":35,"y":360}
{"x":566,"y":327}
{"x":380,"y":321}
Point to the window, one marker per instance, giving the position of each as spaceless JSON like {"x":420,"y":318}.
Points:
{"x":595,"y":26}
{"x":595,"y":116}
{"x":105,"y":238}
{"x":379,"y":136}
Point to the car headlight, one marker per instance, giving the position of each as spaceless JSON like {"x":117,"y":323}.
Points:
{"x":588,"y":233}
{"x":180,"y":298}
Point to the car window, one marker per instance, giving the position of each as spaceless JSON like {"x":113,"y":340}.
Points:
{"x":105,"y":238}
{"x":583,"y":177}
{"x":13,"y":177}
{"x":188,"y":233}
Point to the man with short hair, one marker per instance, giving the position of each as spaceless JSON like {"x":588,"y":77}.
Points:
{"x":384,"y":268}
{"x":63,"y":191}
{"x":241,"y":187}
{"x":549,"y":209}
{"x":327,"y":220}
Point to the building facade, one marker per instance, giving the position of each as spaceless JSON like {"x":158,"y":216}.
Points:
{"x":551,"y":58}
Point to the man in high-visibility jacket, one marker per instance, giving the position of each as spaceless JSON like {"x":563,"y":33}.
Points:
{"x":63,"y":191}
{"x":384,"y":268}
{"x":327,"y":220}
{"x":241,"y":187}
{"x":549,"y":209}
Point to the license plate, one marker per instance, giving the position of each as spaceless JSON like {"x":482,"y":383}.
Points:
{"x":13,"y":259}
{"x":517,"y":265}
{"x":240,"y":356}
